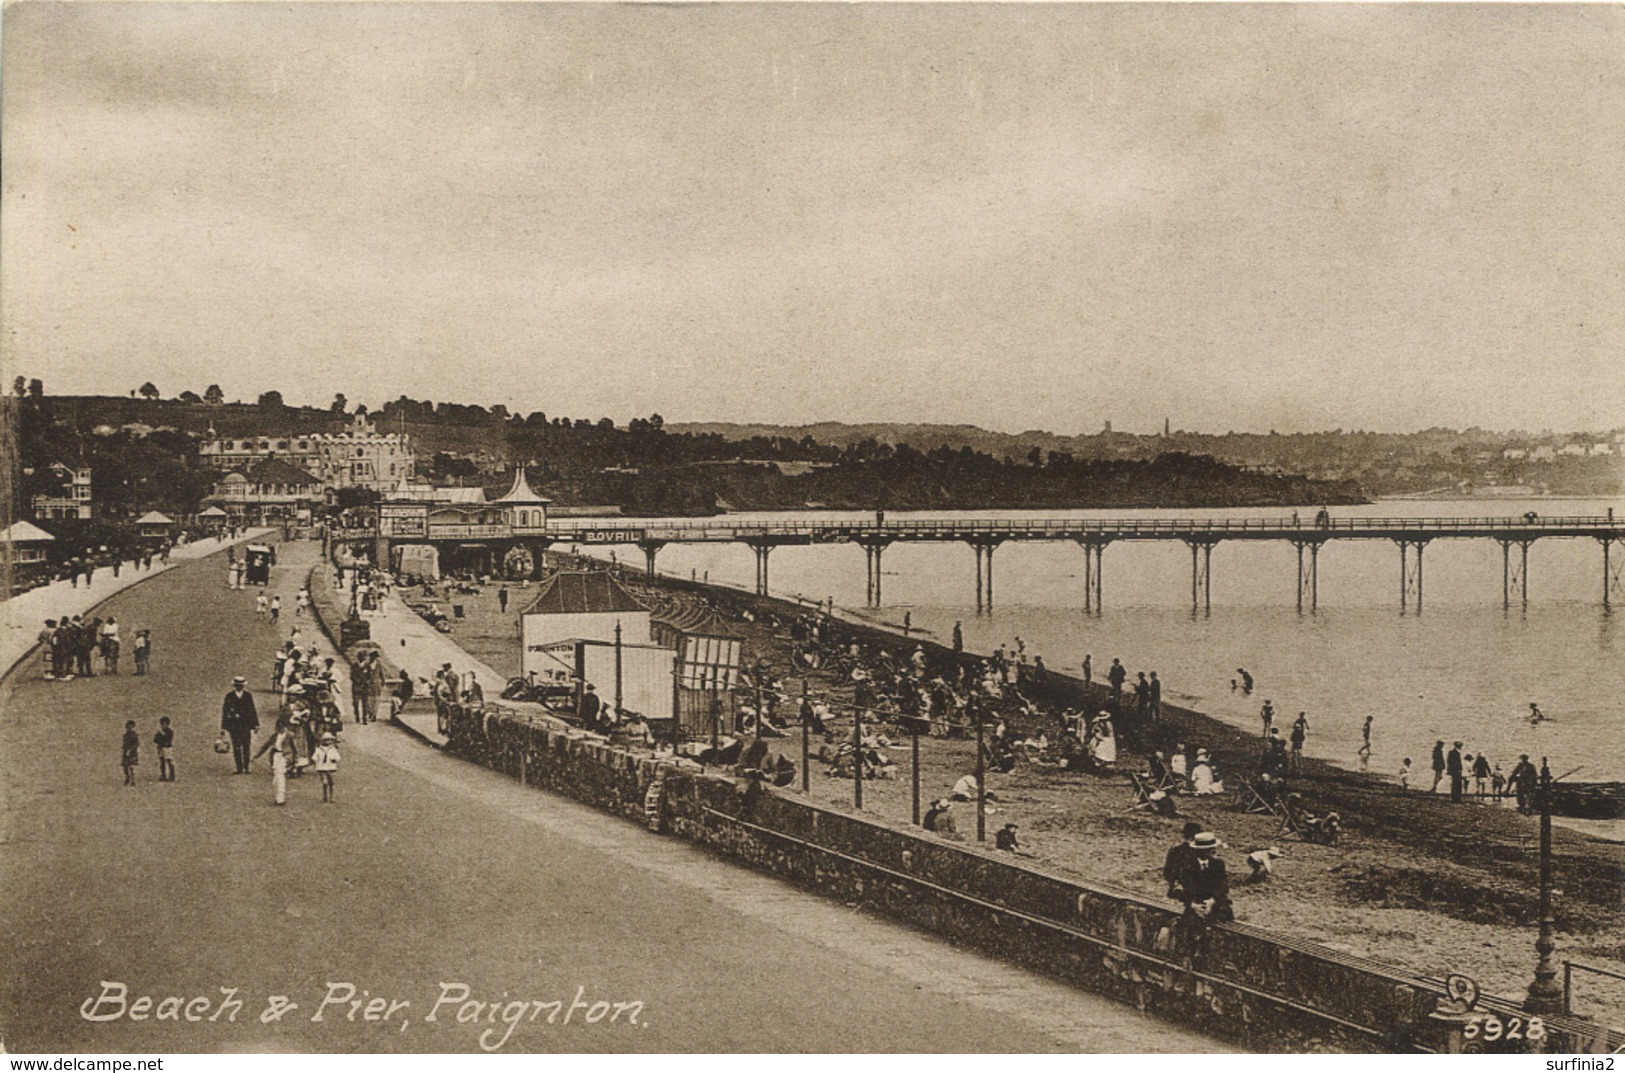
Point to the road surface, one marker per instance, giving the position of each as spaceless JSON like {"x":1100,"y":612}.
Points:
{"x":569,"y":930}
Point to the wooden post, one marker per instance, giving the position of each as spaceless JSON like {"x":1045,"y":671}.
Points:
{"x":981,"y":781}
{"x":857,"y":758}
{"x":806,"y":739}
{"x":914,"y":770}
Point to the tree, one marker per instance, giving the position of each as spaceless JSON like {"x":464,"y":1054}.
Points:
{"x":271,"y":400}
{"x":149,"y":391}
{"x":361,"y":409}
{"x":340,"y":403}
{"x":190,"y":396}
{"x":36,"y":389}
{"x":353,"y":496}
{"x":20,"y":386}
{"x":657,"y":422}
{"x":213,"y":395}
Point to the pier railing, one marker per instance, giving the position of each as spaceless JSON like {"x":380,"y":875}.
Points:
{"x":725,"y":528}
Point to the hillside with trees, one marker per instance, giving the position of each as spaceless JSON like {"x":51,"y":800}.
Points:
{"x":143,"y":450}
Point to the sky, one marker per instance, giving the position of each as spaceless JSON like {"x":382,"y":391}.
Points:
{"x":1289,"y":217}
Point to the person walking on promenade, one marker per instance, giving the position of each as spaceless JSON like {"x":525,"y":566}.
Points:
{"x":1116,"y":675}
{"x":502,"y":599}
{"x":1156,"y":698}
{"x":1142,"y":697}
{"x":1458,"y":777}
{"x":276,"y":609}
{"x":280,"y":745}
{"x":164,"y":740}
{"x":239,"y":720}
{"x":47,"y":643}
{"x":142,"y":649}
{"x":131,"y":753}
{"x":261,"y":604}
{"x":1300,"y":731}
{"x":1267,"y":714}
{"x":62,"y":642}
{"x":1088,"y":670}
{"x":84,"y":639}
{"x":1481,"y":775}
{"x":1365,"y":744}
{"x":1438,"y":766}
{"x":1405,"y":775}
{"x":110,"y":645}
{"x":959,"y":638}
{"x":373,"y":679}
{"x":1522,"y":782}
{"x":301,"y":602}
{"x":326,"y":762}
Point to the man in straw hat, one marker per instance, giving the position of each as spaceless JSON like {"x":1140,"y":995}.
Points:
{"x":1201,"y":882}
{"x":239,"y":720}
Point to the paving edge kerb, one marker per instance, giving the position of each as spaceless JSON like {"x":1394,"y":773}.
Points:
{"x":1260,"y":990}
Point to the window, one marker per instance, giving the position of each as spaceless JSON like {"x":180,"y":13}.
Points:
{"x":282,"y":445}
{"x":231,"y":445}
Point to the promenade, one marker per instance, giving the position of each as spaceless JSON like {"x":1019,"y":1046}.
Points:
{"x":428,"y":872}
{"x":24,"y":614}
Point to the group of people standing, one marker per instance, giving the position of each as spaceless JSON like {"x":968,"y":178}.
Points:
{"x":73,"y":646}
{"x":1488,"y":781}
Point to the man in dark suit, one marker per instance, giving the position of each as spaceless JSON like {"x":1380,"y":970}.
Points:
{"x":1458,"y":774}
{"x":1202,"y":884}
{"x":239,"y":720}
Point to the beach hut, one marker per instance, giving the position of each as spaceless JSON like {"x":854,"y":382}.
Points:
{"x":22,"y":547}
{"x":154,"y":527}
{"x":583,"y":605}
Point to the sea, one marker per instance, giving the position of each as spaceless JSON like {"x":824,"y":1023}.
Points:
{"x":1464,"y":668}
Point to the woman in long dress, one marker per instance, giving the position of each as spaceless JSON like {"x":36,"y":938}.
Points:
{"x":280,"y":746}
{"x":1105,"y":742}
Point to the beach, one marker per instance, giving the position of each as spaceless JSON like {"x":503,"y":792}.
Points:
{"x":1415,"y":881}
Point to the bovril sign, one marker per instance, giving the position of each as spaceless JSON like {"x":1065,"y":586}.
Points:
{"x":608,"y":536}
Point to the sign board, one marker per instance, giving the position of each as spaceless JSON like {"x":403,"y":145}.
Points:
{"x":402,"y":521}
{"x":538,"y":631}
{"x":466,"y":532}
{"x":710,"y":664}
{"x":608,"y":536}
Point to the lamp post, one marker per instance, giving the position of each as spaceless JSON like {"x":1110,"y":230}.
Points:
{"x":1545,"y":994}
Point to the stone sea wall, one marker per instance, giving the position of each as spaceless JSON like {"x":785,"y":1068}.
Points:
{"x":1262,"y":991}
{"x":1246,"y":985}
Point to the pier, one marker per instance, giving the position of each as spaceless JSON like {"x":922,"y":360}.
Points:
{"x":1411,"y":536}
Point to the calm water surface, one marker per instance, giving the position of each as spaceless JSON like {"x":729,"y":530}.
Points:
{"x":1463,"y":669}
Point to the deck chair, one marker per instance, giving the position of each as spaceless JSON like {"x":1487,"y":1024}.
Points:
{"x":1299,"y":823}
{"x":1140,"y":787}
{"x":1149,"y":796}
{"x":1250,"y":799}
